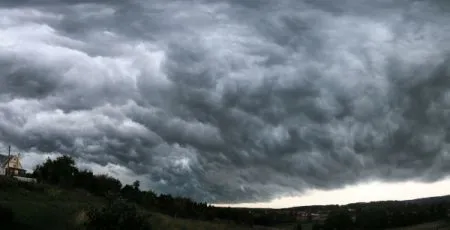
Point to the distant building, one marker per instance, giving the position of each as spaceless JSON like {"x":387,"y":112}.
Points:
{"x":301,"y":215}
{"x":10,"y":165}
{"x":311,"y":216}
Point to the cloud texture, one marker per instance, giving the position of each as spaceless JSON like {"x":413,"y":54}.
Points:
{"x":232,"y":101}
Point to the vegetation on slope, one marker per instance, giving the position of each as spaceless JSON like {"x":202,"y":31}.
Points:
{"x":41,"y":206}
{"x":69,"y":198}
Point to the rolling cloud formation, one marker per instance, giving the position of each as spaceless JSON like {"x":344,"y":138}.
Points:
{"x":232,"y":100}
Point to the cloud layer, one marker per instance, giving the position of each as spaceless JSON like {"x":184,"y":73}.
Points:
{"x":232,"y":101}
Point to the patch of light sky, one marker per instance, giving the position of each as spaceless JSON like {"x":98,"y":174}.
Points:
{"x":365,"y":192}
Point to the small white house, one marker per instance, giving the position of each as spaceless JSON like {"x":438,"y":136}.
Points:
{"x":11,"y":166}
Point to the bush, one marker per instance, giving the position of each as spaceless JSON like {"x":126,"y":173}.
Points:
{"x":8,"y":182}
{"x":339,"y":220}
{"x":6,"y":215}
{"x":117,"y":215}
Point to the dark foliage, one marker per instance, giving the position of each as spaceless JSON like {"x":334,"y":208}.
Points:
{"x":374,"y":215}
{"x":61,"y":171}
{"x":117,"y":215}
{"x":6,"y":216}
{"x":298,"y":227}
{"x":339,"y":220}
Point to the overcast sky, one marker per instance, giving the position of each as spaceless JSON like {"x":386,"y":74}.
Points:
{"x":230,"y":101}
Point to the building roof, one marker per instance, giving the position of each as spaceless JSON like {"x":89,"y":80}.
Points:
{"x":4,"y":159}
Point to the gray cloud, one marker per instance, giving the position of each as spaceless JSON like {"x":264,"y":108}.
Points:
{"x":231,"y":101}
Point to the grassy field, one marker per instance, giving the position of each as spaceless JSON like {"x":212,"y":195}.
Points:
{"x":438,"y":225}
{"x":38,"y":206}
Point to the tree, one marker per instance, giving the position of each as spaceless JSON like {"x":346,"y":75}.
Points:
{"x":372,"y":218}
{"x":130,"y":193}
{"x":339,"y":220}
{"x":104,"y":184}
{"x":85,"y":179}
{"x":60,"y":171}
{"x":136,"y":185}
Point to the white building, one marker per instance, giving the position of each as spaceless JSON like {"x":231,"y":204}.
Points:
{"x":11,"y":166}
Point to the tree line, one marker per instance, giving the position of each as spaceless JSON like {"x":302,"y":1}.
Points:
{"x":376,"y":215}
{"x":383,"y":215}
{"x":63,"y":172}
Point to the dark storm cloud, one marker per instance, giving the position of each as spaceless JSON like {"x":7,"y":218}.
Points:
{"x":231,"y":101}
{"x":39,"y":3}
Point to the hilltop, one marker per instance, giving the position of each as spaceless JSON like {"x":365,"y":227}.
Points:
{"x":64,"y":195}
{"x":42,"y":206}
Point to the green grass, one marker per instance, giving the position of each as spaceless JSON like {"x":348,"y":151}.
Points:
{"x":438,"y":225}
{"x":40,"y":206}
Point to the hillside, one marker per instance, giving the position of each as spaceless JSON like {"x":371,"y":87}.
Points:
{"x":438,"y":225}
{"x":69,"y":198}
{"x":430,"y":200}
{"x":425,"y":200}
{"x":40,"y":206}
